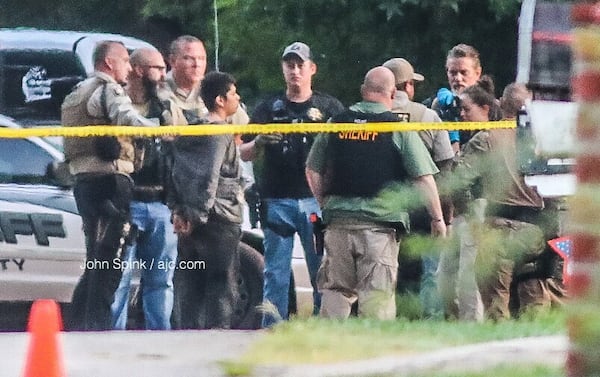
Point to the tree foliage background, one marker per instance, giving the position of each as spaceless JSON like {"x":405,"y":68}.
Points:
{"x":348,"y":37}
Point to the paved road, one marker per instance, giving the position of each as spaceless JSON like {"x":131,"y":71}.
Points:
{"x":134,"y":353}
{"x":198,"y":353}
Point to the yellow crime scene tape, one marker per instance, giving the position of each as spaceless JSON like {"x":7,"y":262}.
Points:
{"x":220,"y":129}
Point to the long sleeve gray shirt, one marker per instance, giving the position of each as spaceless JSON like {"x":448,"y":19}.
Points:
{"x":206,"y":177}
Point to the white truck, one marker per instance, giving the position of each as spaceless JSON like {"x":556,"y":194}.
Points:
{"x":546,"y":127}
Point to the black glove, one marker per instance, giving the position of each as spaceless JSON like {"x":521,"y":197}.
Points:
{"x":189,"y":214}
{"x":192,"y":118}
{"x":108,"y":148}
{"x":159,"y":109}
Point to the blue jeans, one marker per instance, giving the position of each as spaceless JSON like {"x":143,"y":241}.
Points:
{"x":156,"y":251}
{"x":428,"y":293}
{"x":281,"y":219}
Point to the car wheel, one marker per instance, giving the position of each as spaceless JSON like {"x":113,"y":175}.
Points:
{"x":250,"y":285}
{"x":248,"y":314}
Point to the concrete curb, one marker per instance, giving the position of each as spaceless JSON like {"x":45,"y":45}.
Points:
{"x":548,"y":350}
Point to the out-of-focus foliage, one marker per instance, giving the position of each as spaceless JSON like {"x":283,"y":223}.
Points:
{"x":348,"y":37}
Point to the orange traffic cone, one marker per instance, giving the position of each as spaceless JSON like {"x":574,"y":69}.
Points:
{"x":44,"y":356}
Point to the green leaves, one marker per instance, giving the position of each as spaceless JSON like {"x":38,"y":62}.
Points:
{"x":348,"y":37}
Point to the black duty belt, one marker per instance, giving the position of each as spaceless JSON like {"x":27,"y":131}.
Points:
{"x":148,"y":193}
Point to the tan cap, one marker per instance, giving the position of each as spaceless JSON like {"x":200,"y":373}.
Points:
{"x":403,"y":70}
{"x":299,"y":49}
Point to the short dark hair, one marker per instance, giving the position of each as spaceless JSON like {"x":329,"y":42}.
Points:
{"x":482,"y":94}
{"x":401,"y":86}
{"x":102,"y":50}
{"x":213,"y":85}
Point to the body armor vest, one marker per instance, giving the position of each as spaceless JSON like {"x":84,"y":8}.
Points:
{"x":363,"y":162}
{"x":80,"y":152}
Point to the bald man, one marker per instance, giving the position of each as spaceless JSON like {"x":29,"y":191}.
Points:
{"x":155,"y":249}
{"x":358,"y":178}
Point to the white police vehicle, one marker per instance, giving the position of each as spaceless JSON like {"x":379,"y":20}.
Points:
{"x":40,"y":231}
{"x":42,"y":247}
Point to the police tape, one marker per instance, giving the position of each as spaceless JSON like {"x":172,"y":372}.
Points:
{"x":221,"y":129}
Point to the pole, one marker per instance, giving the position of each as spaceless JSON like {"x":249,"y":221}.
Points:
{"x":216,"y":21}
{"x":583,"y":357}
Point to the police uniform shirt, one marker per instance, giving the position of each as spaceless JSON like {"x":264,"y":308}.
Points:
{"x":279,"y":168}
{"x":191,"y":102}
{"x":387,"y":205}
{"x":436,"y":141}
{"x":116,"y":104}
{"x":491,"y":156}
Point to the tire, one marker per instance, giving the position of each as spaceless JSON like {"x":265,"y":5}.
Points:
{"x":248,"y":315}
{"x":253,"y":240}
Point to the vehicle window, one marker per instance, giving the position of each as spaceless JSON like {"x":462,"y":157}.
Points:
{"x":35,"y":82}
{"x":550,"y":64}
{"x":22,"y":161}
{"x":550,"y":51}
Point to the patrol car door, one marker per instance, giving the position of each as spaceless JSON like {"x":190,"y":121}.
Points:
{"x":42,"y":246}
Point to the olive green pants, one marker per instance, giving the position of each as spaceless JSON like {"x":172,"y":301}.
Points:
{"x":503,"y":244}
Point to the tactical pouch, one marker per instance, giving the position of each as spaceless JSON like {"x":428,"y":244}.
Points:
{"x":108,"y":148}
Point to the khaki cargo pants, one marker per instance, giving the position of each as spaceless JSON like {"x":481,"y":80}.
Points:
{"x":361,"y":265}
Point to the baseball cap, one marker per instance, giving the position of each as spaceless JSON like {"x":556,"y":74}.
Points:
{"x":298,"y":48}
{"x":403,"y":70}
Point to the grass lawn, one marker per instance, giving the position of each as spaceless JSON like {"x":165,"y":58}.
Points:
{"x":314,"y":340}
{"x":506,"y":371}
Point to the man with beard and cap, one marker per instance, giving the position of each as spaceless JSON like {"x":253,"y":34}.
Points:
{"x":155,"y":246}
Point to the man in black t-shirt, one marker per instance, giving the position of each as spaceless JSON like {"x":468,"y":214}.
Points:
{"x":287,"y":204}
